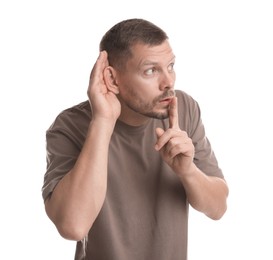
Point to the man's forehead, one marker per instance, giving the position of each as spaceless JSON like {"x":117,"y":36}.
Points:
{"x":145,"y":54}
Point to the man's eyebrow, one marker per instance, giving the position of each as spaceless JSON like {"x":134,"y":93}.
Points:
{"x":148,"y":62}
{"x":173,"y":58}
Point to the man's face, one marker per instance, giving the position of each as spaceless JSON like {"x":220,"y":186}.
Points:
{"x":146,"y":86}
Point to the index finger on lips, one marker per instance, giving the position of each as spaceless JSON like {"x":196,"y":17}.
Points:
{"x":173,"y":114}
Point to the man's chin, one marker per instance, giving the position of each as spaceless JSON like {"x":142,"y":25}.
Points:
{"x":158,"y":115}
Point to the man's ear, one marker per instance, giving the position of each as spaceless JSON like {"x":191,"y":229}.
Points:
{"x":110,"y":79}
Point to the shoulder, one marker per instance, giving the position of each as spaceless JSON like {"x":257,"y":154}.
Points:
{"x":186,"y":102}
{"x":83,"y":107}
{"x":188,"y":111}
{"x":184,"y":97}
{"x":77,"y":115}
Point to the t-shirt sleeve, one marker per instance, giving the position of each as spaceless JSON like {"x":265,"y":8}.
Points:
{"x":204,"y":158}
{"x":62,"y":151}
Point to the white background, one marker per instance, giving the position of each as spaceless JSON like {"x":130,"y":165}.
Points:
{"x":224,"y":60}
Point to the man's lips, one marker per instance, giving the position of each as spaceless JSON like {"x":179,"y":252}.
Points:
{"x":166,"y":100}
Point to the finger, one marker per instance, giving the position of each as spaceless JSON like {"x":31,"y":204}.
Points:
{"x":173,"y":114}
{"x":164,"y":137}
{"x":159,"y":133}
{"x":184,"y":149}
{"x":103,"y":58}
{"x":96,"y":81}
{"x":100,"y":64}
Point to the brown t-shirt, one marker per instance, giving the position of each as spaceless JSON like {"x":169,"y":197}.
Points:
{"x":145,"y":212}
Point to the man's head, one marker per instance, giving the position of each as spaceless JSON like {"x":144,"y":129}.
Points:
{"x":141,"y":69}
{"x":122,"y":36}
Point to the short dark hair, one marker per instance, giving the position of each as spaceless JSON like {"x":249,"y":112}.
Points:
{"x":121,"y":37}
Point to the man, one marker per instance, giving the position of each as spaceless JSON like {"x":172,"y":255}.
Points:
{"x":123,"y":167}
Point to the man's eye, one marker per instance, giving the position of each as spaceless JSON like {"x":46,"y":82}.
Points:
{"x":171,"y":67}
{"x":150,"y":71}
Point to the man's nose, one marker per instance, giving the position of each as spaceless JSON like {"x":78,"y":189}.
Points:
{"x":167,"y":80}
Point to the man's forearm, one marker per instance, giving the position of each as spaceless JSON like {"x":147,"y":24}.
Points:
{"x":206,"y":194}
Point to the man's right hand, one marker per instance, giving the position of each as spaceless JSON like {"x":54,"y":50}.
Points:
{"x":104,"y":103}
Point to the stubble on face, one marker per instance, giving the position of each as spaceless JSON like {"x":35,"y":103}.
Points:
{"x":146,"y":108}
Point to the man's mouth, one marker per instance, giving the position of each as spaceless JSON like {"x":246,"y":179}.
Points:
{"x":166,"y":99}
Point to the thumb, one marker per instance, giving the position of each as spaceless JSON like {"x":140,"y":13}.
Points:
{"x":159,"y":131}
